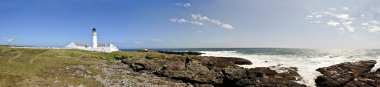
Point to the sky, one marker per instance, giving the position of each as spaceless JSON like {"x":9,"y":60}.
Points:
{"x":352,"y":24}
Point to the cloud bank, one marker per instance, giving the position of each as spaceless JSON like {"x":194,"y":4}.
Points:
{"x":183,"y":4}
{"x":198,"y":19}
{"x":181,"y":20}
{"x":344,"y":19}
{"x":9,"y":39}
{"x":332,"y":18}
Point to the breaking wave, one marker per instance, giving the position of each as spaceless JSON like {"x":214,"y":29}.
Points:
{"x":307,"y":61}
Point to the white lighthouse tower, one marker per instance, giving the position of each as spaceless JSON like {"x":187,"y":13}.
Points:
{"x":94,"y":38}
{"x":95,"y":46}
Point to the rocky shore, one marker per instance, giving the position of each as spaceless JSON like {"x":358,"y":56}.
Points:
{"x":77,"y":68}
{"x":203,"y":71}
{"x":200,"y":71}
{"x":349,"y":74}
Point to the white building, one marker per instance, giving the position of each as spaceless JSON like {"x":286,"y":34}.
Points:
{"x":95,"y":46}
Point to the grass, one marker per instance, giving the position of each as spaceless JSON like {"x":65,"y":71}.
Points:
{"x":48,"y":67}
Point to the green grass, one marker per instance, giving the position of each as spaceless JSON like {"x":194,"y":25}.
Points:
{"x":48,"y":67}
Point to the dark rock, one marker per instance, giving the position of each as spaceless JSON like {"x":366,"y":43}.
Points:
{"x":221,"y":61}
{"x":260,"y":72}
{"x":289,"y":73}
{"x":192,"y":72}
{"x":267,"y":82}
{"x":265,"y":77}
{"x":235,"y":60}
{"x":203,"y":85}
{"x":116,"y":74}
{"x":204,"y":71}
{"x":212,"y":62}
{"x":340,"y":74}
{"x":120,"y":57}
{"x":232,"y":73}
{"x":371,"y":79}
{"x":139,"y":64}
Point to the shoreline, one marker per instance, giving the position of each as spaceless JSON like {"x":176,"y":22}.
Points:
{"x":217,"y":71}
{"x":307,"y":72}
{"x":278,"y":74}
{"x":151,"y":68}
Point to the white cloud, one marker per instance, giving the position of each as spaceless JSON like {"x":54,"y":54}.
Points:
{"x":183,"y":4}
{"x":345,"y":8}
{"x":213,"y":21}
{"x":350,"y":28}
{"x":347,"y":23}
{"x":332,"y":23}
{"x":199,"y":19}
{"x":318,"y":16}
{"x":365,"y":24}
{"x":181,"y":20}
{"x":227,"y":26}
{"x":373,"y":28}
{"x":137,"y":42}
{"x":362,"y":15}
{"x":334,"y":18}
{"x":327,"y":13}
{"x":197,"y":23}
{"x":332,"y":9}
{"x":178,"y":20}
{"x":9,"y":39}
{"x":375,"y":22}
{"x":310,"y":16}
{"x":343,"y":16}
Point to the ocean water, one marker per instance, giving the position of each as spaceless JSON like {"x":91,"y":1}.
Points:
{"x":306,"y":60}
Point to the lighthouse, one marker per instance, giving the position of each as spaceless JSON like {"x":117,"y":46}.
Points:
{"x":95,"y":46}
{"x":94,"y":38}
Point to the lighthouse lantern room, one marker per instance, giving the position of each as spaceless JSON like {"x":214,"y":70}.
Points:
{"x":94,"y":38}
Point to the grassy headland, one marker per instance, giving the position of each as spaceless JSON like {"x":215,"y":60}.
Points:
{"x":49,"y":67}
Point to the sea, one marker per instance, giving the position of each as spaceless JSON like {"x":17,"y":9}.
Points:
{"x":306,"y":60}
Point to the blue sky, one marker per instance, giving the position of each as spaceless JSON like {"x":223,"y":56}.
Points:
{"x":193,"y":23}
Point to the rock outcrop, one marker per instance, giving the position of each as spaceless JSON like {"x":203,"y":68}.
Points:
{"x":216,"y":61}
{"x":371,"y":79}
{"x":212,"y":71}
{"x":266,"y":77}
{"x":347,"y":74}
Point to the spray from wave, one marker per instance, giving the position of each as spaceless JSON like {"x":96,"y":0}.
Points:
{"x":307,"y":61}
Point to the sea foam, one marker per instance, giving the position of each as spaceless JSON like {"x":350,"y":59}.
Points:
{"x":306,"y":66}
